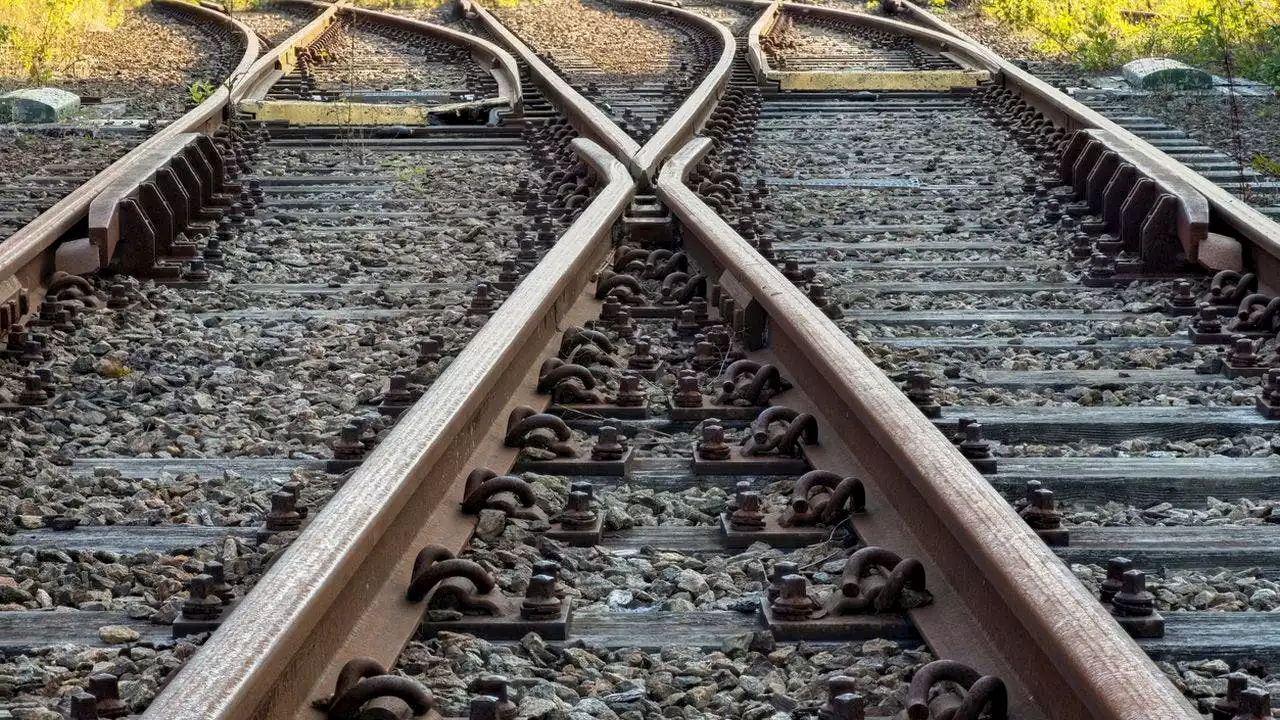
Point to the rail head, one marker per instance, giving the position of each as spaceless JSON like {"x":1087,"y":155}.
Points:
{"x":1072,"y":633}
{"x":499,"y":62}
{"x":688,"y":119}
{"x":761,"y":27}
{"x":589,"y":120}
{"x":284,"y":57}
{"x":22,"y":254}
{"x":291,"y":622}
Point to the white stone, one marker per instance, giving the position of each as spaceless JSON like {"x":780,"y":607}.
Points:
{"x":38,"y":105}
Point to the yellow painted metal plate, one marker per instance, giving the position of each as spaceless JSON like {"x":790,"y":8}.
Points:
{"x":874,"y":80}
{"x":302,"y":112}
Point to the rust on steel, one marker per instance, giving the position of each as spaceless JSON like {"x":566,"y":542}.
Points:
{"x":24,"y":254}
{"x":589,"y":120}
{"x":1064,"y":653}
{"x":969,"y":74}
{"x":697,"y":107}
{"x":284,"y":57}
{"x":499,"y":62}
{"x":1242,"y":217}
{"x":338,"y":591}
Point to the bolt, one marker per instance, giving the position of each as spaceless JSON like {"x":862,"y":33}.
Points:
{"x":550,"y":568}
{"x":712,"y":446}
{"x":746,"y":516}
{"x":218,"y":584}
{"x":397,"y":394}
{"x":1182,"y":297}
{"x":33,"y":394}
{"x":1255,"y":703}
{"x":687,"y":394}
{"x":510,"y":272}
{"x":236,"y":216}
{"x":919,"y":388}
{"x":481,"y":302}
{"x":1133,"y":600}
{"x":641,"y":359}
{"x":973,"y":446}
{"x":1116,"y":568}
{"x":483,"y":707}
{"x":848,"y":706}
{"x":106,"y":689}
{"x":284,"y":514}
{"x":699,"y":307}
{"x":687,"y":325}
{"x":704,"y":355}
{"x":497,"y":687}
{"x":540,"y":601}
{"x":201,"y":603}
{"x":1207,"y":320}
{"x":429,"y":351}
{"x":793,"y":602}
{"x":621,"y":323}
{"x":348,"y":445}
{"x":1241,"y":353}
{"x":629,"y":394}
{"x":609,"y":445}
{"x":1100,"y":266}
{"x":781,"y":569}
{"x":578,"y":514}
{"x":1041,"y":512}
{"x":84,"y":706}
{"x":196,"y":271}
{"x":32,"y":351}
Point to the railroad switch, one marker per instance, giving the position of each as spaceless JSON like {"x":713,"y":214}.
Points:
{"x":461,"y":596}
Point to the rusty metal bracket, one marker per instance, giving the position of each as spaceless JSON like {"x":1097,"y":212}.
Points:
{"x":463,"y":597}
{"x":952,"y":690}
{"x":713,"y":456}
{"x":365,"y":689}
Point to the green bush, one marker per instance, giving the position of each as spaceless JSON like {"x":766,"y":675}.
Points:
{"x":1106,"y":33}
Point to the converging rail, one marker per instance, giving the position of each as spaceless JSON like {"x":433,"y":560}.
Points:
{"x":674,"y":315}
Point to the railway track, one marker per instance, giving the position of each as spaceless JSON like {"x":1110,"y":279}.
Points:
{"x":541,"y":426}
{"x":49,"y":161}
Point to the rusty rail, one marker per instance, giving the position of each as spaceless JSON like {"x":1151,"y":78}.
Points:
{"x":642,"y":162}
{"x":500,"y":62}
{"x":334,"y":593}
{"x":24,"y":255}
{"x":1058,"y":641}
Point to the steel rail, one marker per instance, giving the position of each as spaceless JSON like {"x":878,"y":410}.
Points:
{"x":24,"y":254}
{"x":1060,"y":642}
{"x":643,"y":162}
{"x":500,"y":62}
{"x":335,"y":587}
{"x":690,"y":116}
{"x":590,"y":121}
{"x":1261,"y":231}
{"x":284,"y":57}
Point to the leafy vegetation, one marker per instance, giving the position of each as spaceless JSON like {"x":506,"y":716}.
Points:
{"x":41,"y":37}
{"x":1105,"y":33}
{"x":200,"y":90}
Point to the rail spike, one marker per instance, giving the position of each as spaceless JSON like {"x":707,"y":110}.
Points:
{"x":750,"y":382}
{"x":822,"y":497}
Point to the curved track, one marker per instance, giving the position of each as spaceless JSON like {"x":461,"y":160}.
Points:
{"x":687,"y":376}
